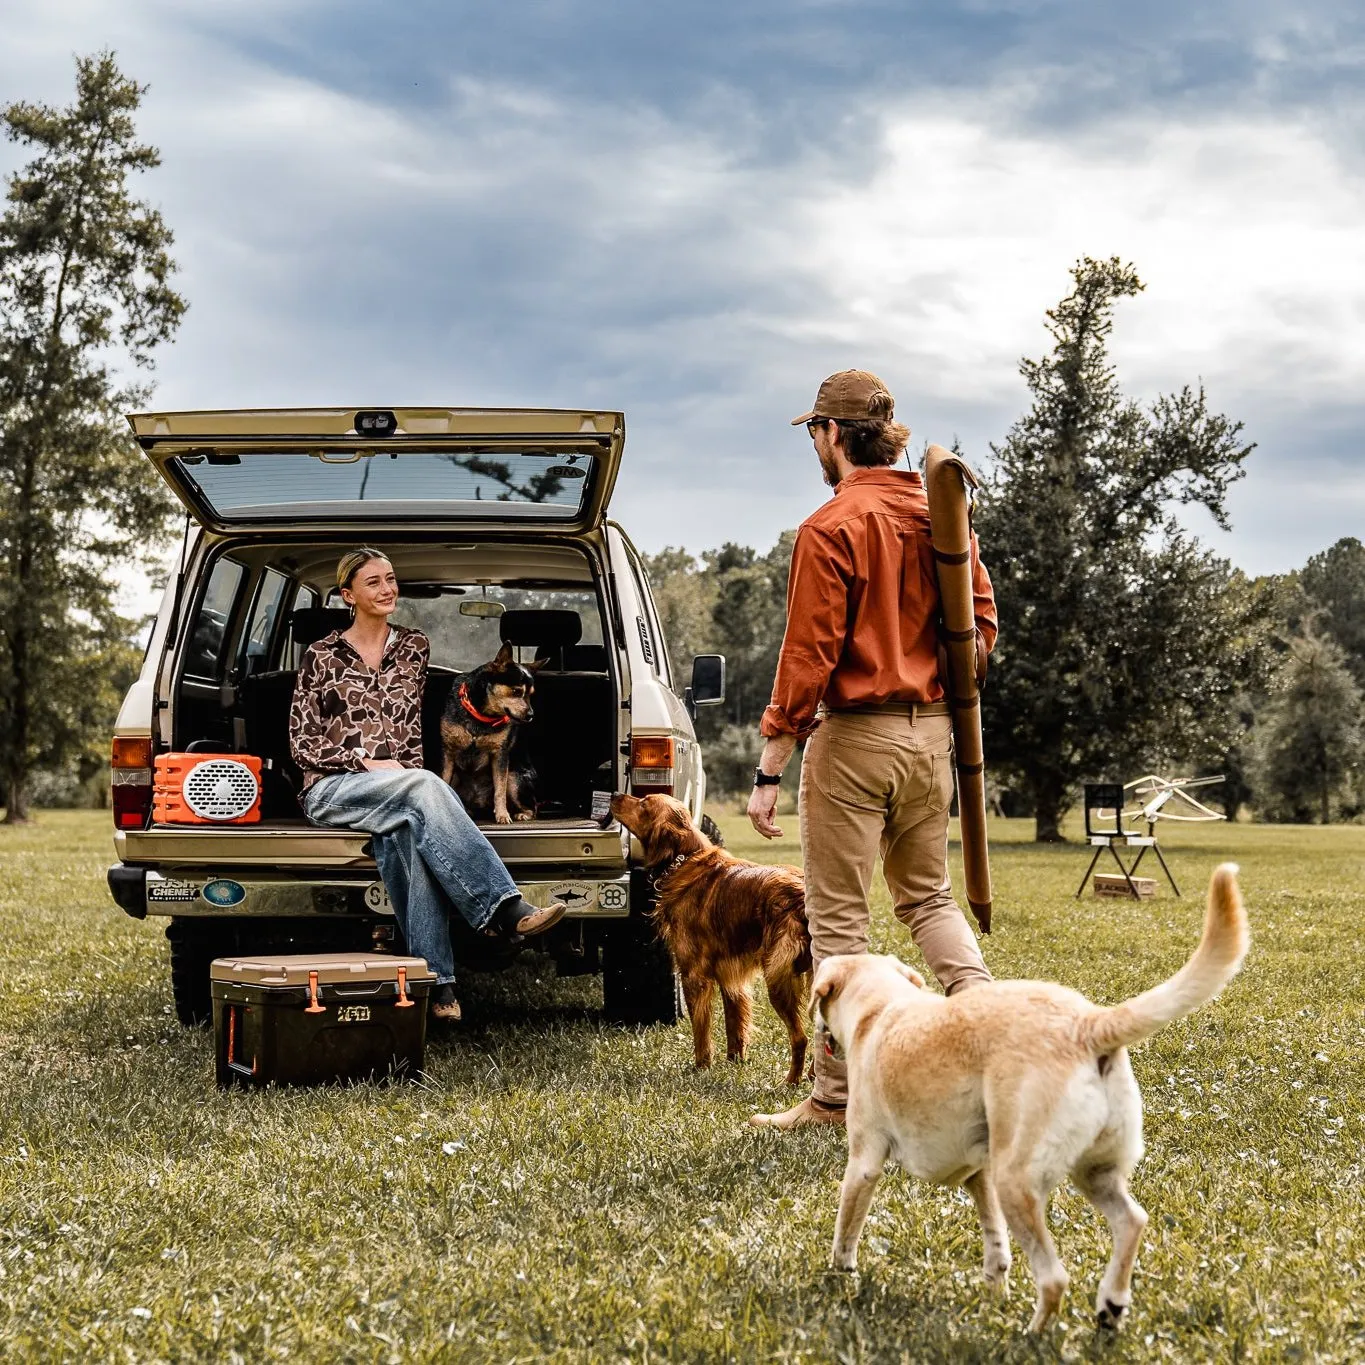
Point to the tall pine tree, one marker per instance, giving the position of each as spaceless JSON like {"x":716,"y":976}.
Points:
{"x":84,"y":295}
{"x":1120,"y":644}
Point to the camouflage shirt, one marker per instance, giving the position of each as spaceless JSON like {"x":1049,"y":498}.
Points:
{"x":344,"y":713}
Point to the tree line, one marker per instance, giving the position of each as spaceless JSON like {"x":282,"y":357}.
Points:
{"x":1125,"y":645}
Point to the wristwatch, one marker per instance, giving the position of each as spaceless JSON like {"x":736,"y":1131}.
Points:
{"x":762,"y":779}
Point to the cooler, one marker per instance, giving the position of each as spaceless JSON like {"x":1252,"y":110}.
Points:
{"x":313,"y":1019}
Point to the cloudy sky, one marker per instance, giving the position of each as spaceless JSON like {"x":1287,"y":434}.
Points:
{"x":695,"y":211}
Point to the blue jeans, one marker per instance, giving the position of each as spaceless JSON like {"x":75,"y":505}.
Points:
{"x":431,"y":855}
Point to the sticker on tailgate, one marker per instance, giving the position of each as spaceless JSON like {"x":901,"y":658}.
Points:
{"x":613,"y":896}
{"x":573,"y":895}
{"x":171,"y":889}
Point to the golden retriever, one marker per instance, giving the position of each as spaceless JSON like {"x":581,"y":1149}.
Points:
{"x":725,"y":921}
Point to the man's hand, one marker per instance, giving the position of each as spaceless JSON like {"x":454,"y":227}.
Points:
{"x":763,"y":803}
{"x":380,"y":765}
{"x":762,"y":808}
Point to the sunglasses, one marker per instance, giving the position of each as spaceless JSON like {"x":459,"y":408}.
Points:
{"x":816,"y":422}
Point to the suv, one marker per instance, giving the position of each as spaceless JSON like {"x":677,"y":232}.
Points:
{"x":495,"y":521}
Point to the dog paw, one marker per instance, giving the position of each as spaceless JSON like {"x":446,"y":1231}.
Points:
{"x":1109,"y":1314}
{"x":997,"y":1282}
{"x":501,"y":817}
{"x":526,"y":815}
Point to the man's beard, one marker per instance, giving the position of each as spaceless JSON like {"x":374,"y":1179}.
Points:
{"x":830,"y":467}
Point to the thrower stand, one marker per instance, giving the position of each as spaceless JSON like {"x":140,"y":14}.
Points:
{"x":1102,"y":798}
{"x":1157,"y":795}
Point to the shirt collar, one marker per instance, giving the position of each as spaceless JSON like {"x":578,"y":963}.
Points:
{"x":338,"y":640}
{"x":886,"y":476}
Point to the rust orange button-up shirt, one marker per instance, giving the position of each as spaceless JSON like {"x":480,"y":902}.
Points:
{"x":862,"y":603}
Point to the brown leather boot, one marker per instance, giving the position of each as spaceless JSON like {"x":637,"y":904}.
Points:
{"x":444,"y":1007}
{"x":806,"y":1114}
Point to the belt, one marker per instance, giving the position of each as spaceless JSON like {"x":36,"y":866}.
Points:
{"x":894,"y":708}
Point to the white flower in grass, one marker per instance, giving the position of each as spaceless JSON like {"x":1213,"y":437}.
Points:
{"x":143,"y":1313}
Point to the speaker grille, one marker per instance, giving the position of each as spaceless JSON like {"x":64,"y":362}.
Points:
{"x":220,"y":789}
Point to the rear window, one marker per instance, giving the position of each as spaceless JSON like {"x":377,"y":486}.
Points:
{"x":463,"y":641}
{"x":529,"y":485}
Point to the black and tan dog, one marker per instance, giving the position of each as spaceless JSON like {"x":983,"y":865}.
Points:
{"x":480,"y":731}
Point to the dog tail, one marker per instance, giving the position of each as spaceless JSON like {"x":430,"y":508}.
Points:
{"x":1216,"y":961}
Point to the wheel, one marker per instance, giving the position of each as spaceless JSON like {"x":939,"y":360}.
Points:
{"x":712,"y":831}
{"x":194,"y":944}
{"x":639,"y":985}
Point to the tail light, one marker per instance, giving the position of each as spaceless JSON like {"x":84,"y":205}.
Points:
{"x":130,"y":766}
{"x":651,"y":765}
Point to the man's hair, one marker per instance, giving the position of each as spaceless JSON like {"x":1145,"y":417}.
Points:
{"x":872,"y":442}
{"x":353,"y":561}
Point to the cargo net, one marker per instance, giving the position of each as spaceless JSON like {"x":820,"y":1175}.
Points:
{"x":220,"y":789}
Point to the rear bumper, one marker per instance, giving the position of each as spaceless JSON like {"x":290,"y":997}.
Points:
{"x":191,"y":891}
{"x":543,"y":845}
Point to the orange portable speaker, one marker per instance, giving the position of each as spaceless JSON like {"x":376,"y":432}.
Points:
{"x":207,"y":789}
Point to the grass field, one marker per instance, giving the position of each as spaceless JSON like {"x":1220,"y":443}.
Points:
{"x":560,"y":1189}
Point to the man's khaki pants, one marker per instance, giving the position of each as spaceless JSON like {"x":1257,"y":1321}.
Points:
{"x":882,"y":779}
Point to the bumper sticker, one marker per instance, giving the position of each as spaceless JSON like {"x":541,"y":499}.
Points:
{"x":171,"y":889}
{"x":611,"y":896}
{"x":224,"y":892}
{"x":573,"y":895}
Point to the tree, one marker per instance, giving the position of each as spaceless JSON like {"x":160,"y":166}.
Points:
{"x":1311,"y":736}
{"x":84,"y":295}
{"x":749,"y":618}
{"x":685,"y":597}
{"x":1120,"y":644}
{"x":734,"y":602}
{"x":1334,"y":584}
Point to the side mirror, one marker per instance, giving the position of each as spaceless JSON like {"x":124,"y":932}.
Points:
{"x":708,"y":680}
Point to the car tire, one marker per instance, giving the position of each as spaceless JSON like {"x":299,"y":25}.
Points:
{"x":712,"y":831}
{"x":639,"y":984}
{"x":194,"y":945}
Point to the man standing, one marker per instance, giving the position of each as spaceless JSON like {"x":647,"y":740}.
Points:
{"x":860,"y":662}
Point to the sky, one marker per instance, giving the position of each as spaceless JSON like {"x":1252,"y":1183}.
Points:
{"x":693,"y":212}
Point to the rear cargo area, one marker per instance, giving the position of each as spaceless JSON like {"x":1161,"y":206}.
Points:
{"x":261,"y":606}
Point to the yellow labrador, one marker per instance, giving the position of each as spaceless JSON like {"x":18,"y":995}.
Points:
{"x":1007,"y":1089}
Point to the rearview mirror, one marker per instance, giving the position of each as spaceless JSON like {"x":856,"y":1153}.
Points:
{"x":708,"y":680}
{"x":481,"y":606}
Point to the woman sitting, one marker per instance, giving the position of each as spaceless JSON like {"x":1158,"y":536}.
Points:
{"x":355,"y":730}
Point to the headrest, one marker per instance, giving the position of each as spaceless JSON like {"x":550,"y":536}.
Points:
{"x":310,"y":624}
{"x":552,"y":629}
{"x":585,"y":659}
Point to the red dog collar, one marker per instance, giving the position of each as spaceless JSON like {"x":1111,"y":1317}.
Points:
{"x":495,"y":721}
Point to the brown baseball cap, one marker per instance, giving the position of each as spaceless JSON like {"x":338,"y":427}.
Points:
{"x":851,"y":396}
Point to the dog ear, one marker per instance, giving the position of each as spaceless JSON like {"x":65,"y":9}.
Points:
{"x":829,"y":981}
{"x":537,"y":664}
{"x":503,"y":658}
{"x":909,"y":973}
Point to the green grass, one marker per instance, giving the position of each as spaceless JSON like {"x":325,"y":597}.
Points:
{"x":561,"y":1189}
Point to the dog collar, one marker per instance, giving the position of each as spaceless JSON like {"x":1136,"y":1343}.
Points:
{"x":496,"y":721}
{"x":673,"y":866}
